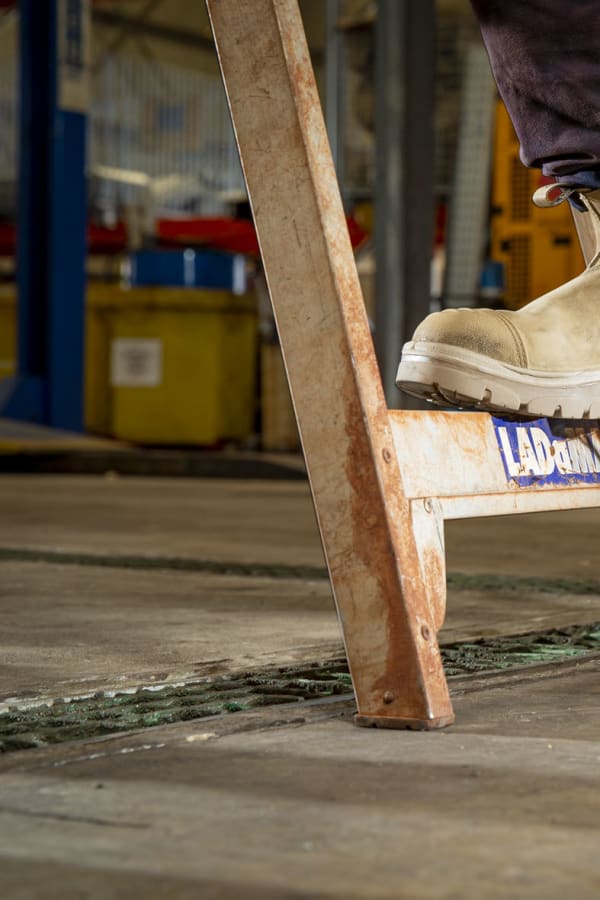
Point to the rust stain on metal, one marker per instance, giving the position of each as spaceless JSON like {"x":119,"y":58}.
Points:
{"x":434,"y":576}
{"x":432,"y":559}
{"x":414,"y":671}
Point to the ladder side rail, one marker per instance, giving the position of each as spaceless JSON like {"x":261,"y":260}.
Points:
{"x":364,"y":518}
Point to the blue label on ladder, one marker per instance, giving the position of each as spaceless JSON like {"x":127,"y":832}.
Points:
{"x":550,"y":451}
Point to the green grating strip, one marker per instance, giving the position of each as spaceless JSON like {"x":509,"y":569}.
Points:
{"x":111,"y":713}
{"x":108,"y":713}
{"x":489,"y":654}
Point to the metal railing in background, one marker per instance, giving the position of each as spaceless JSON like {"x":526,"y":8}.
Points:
{"x":161,"y":134}
{"x":160,"y":137}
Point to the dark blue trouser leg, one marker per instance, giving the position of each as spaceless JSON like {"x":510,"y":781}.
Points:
{"x":545,"y":55}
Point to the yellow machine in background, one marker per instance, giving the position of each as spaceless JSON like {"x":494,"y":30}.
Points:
{"x":538,"y":247}
{"x":8,"y":331}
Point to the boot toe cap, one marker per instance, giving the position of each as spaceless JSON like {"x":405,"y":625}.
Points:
{"x":483,"y":331}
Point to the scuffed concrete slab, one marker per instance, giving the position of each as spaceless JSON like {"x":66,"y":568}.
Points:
{"x":243,"y":521}
{"x":491,"y":613}
{"x":71,"y":630}
{"x":319,"y":808}
{"x":260,"y":522}
{"x":549,"y":701}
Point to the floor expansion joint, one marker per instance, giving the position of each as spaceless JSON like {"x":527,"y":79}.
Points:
{"x":115,"y":712}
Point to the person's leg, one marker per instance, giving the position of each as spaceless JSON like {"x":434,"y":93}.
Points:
{"x":544,"y":359}
{"x":545,"y":56}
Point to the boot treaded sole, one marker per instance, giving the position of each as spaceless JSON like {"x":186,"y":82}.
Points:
{"x":452,"y":376}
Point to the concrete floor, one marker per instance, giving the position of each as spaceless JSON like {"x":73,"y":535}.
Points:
{"x":286,"y":802}
{"x":257,"y":521}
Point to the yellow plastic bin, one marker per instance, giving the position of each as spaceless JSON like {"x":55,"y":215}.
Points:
{"x":170,"y":365}
{"x":279,"y":429}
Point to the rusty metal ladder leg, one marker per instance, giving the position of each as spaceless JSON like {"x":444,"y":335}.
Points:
{"x":389,"y":596}
{"x":383,"y":481}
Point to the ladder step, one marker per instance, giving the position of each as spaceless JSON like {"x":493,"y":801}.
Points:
{"x":476,"y":464}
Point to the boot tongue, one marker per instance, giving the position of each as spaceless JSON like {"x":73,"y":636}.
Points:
{"x":553,"y":194}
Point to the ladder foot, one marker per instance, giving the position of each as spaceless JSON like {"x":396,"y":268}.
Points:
{"x":401,"y":722}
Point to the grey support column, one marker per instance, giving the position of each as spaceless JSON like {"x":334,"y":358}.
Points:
{"x":334,"y":86}
{"x":405,"y":63}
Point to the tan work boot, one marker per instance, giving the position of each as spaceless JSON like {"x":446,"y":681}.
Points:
{"x":542,"y":360}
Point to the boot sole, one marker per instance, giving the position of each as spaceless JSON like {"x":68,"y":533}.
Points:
{"x":451,"y":376}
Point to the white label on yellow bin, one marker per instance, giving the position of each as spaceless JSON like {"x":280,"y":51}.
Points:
{"x":136,"y":362}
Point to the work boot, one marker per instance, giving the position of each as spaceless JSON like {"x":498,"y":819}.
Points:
{"x":542,"y":360}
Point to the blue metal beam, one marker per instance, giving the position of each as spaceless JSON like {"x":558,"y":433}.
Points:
{"x":48,"y":387}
